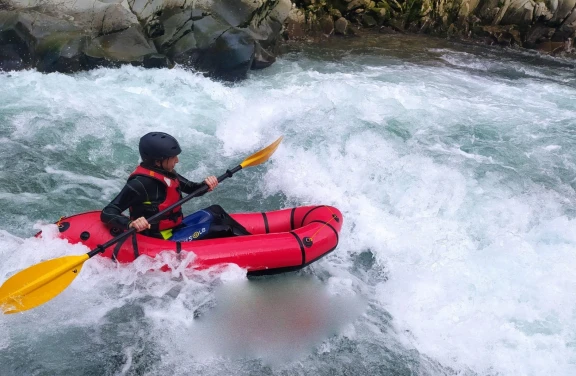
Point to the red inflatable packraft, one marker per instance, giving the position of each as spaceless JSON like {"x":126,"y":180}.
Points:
{"x":281,"y":240}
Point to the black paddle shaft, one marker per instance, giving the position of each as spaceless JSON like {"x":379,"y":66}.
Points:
{"x":200,"y":191}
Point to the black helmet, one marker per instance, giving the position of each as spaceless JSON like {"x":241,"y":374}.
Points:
{"x":157,"y":146}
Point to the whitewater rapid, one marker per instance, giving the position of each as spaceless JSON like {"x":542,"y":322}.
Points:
{"x":453,"y":166}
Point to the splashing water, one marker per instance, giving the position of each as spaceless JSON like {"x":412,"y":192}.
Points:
{"x":452,"y":165}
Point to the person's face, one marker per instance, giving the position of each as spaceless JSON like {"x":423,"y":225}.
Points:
{"x":169,"y":164}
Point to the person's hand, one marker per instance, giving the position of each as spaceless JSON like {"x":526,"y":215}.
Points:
{"x":211,"y":182}
{"x":140,"y":224}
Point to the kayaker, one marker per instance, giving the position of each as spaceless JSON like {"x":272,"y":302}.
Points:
{"x":155,"y":185}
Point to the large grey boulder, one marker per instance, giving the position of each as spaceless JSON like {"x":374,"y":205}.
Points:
{"x":68,"y":36}
{"x":516,"y":12}
{"x":126,"y":46}
{"x":32,"y":39}
{"x":92,"y":16}
{"x":262,"y":20}
{"x":197,"y":39}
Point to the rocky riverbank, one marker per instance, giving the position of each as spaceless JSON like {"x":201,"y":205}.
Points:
{"x":227,"y":38}
{"x":224,"y":38}
{"x":546,"y":25}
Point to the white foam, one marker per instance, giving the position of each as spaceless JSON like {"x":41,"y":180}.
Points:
{"x":468,"y":280}
{"x":552,"y":147}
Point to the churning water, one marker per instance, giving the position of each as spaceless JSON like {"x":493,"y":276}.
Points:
{"x":454,"y":168}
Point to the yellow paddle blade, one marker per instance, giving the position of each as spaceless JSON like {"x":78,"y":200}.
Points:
{"x":39,"y":283}
{"x":263,"y":155}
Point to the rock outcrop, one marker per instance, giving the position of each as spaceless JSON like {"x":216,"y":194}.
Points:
{"x":227,"y":38}
{"x":222,"y":38}
{"x":546,"y":25}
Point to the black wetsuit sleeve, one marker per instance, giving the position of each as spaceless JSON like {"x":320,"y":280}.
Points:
{"x":136,"y":191}
{"x":187,"y":186}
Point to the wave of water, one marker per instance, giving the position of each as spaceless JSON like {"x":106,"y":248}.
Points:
{"x":454,"y":171}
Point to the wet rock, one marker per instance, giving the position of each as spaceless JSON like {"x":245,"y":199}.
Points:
{"x":178,"y":32}
{"x":368,"y":21}
{"x":380,"y":15}
{"x":229,"y":57}
{"x":341,"y":26}
{"x":567,"y":29}
{"x":154,"y":29}
{"x":541,"y":12}
{"x":261,"y":18}
{"x":10,"y":58}
{"x":294,"y":26}
{"x":193,"y":37}
{"x":115,"y":18}
{"x":538,"y":34}
{"x":387,"y":30}
{"x":355,"y":4}
{"x":196,"y":39}
{"x":561,"y":11}
{"x":503,"y":35}
{"x":262,"y":58}
{"x":335,"y":13}
{"x":397,"y":25}
{"x":516,"y":12}
{"x":61,"y":52}
{"x":326,"y":25}
{"x":129,"y":46}
{"x":452,"y":31}
{"x":488,"y":11}
{"x":35,"y":40}
{"x":550,"y":47}
{"x":96,"y":17}
{"x":267,"y":23}
{"x":156,"y":61}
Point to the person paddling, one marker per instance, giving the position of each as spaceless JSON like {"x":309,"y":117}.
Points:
{"x":153,"y":186}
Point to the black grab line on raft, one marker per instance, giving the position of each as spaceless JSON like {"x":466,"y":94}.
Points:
{"x":121,"y":242}
{"x":310,"y":211}
{"x":266,"y":223}
{"x":178,"y":247}
{"x":329,"y":225}
{"x":292,"y":218}
{"x":135,"y":246}
{"x":117,"y":249}
{"x":301,"y":247}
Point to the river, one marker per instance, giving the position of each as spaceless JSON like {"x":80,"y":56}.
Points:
{"x":453,"y":165}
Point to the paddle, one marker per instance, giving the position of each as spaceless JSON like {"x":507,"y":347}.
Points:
{"x":41,"y":282}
